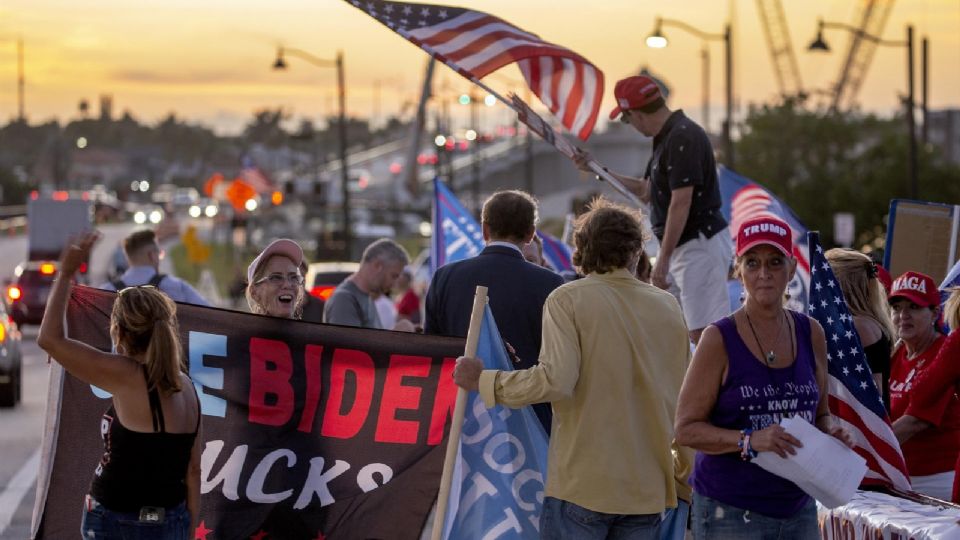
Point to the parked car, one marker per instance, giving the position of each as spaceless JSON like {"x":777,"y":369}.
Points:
{"x":11,"y":361}
{"x":323,"y":277}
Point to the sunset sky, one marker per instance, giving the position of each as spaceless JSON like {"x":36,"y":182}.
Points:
{"x":209,"y":61}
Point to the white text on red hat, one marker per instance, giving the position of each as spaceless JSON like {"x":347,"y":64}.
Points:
{"x":764,"y":227}
{"x":913,"y":283}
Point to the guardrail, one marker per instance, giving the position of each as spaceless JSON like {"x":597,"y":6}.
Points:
{"x":13,"y":211}
{"x":13,"y":225}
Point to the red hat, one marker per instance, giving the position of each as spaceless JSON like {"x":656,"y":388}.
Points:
{"x":284,"y":247}
{"x":765,"y":230}
{"x":633,"y":93}
{"x":916,"y":287}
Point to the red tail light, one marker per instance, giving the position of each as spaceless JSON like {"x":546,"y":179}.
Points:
{"x":83,"y":268}
{"x":322,"y":292}
{"x":14,"y":293}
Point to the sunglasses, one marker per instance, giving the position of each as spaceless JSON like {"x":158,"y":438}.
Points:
{"x":625,"y":116}
{"x":122,"y":291}
{"x":280,"y":279}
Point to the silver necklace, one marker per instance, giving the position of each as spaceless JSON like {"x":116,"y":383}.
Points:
{"x":771,"y":356}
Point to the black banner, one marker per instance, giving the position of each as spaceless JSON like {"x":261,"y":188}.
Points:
{"x":309,"y":430}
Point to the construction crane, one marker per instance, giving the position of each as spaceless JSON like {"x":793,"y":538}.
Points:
{"x":871,"y":20}
{"x":781,"y":51}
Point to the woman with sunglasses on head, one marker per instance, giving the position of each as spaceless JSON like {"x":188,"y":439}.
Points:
{"x":751,"y":369}
{"x":928,"y":429}
{"x":275,"y":281}
{"x":147,"y":484}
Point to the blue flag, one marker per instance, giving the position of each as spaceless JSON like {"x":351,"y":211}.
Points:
{"x":952,"y":279}
{"x":556,"y":253}
{"x":497,"y":487}
{"x":456,"y":234}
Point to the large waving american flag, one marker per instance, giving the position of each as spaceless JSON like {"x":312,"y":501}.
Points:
{"x":475,"y":44}
{"x":854,"y":398}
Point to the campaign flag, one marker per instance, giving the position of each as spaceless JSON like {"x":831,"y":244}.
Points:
{"x":497,"y":486}
{"x":456,"y":235}
{"x":854,"y":398}
{"x":475,"y":44}
{"x":745,"y":199}
{"x":557,"y":254}
{"x":309,"y":430}
{"x":952,"y":279}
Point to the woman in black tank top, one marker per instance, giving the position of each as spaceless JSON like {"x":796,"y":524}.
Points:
{"x":867,"y":300}
{"x":147,"y":484}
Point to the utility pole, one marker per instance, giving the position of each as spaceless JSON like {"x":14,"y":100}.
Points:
{"x":924,"y":91}
{"x":911,"y":121}
{"x":20,"y":112}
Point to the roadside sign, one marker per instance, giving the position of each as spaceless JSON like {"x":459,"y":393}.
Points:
{"x":923,"y":237}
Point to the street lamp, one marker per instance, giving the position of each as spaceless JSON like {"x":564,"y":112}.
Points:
{"x":280,"y":64}
{"x":819,"y":45}
{"x":657,"y":40}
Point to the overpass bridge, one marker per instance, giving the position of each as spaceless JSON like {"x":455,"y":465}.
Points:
{"x":500,"y":164}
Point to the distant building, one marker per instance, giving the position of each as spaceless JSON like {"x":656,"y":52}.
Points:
{"x":944,"y":133}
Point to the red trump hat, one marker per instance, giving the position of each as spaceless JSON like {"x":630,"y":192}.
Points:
{"x":633,"y":93}
{"x":916,"y":287}
{"x":765,"y":230}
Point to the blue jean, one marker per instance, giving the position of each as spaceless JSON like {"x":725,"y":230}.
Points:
{"x":713,"y":520}
{"x":562,"y":520}
{"x":99,"y":523}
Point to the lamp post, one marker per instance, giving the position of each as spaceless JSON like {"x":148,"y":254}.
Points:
{"x":20,"y":113}
{"x":337,"y":63}
{"x":657,"y":40}
{"x":820,"y":45}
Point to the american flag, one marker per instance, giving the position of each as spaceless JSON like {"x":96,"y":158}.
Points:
{"x":475,"y":44}
{"x":854,"y":398}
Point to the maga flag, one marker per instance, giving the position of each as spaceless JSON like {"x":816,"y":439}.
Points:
{"x":854,"y":398}
{"x":475,"y":44}
{"x":456,"y":235}
{"x":497,"y":487}
{"x":309,"y":430}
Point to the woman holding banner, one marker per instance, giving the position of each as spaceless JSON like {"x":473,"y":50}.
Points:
{"x":866,"y":297}
{"x":275,"y":281}
{"x":751,"y":369}
{"x":148,"y":482}
{"x":925,"y":411}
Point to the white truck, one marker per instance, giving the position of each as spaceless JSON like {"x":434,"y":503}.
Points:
{"x":52,"y":221}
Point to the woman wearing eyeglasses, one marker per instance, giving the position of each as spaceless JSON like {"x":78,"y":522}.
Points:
{"x":147,"y":484}
{"x":275,"y":281}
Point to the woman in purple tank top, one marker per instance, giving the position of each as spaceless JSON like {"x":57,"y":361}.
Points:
{"x":761,"y":364}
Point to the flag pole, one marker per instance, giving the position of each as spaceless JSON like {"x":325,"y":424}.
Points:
{"x":602,"y":173}
{"x":456,"y":422}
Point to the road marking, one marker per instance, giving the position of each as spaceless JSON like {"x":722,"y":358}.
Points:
{"x":19,"y":485}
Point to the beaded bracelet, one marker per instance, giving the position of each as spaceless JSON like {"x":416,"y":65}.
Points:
{"x":746,"y":451}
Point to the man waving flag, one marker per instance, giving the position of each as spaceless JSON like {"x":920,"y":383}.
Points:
{"x":475,"y":44}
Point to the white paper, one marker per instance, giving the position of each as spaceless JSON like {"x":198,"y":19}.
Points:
{"x":824,"y":467}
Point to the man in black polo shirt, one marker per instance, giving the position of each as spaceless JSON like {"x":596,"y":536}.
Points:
{"x":681,"y":186}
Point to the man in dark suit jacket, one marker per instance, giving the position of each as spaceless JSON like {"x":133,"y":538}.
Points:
{"x":517,"y":289}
